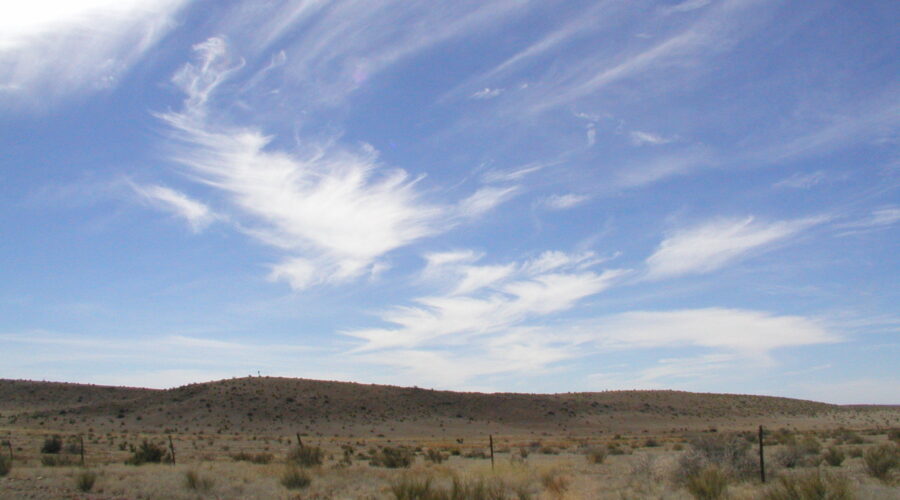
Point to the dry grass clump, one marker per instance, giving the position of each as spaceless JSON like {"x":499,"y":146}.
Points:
{"x":393,"y":458}
{"x":255,"y":458}
{"x":5,"y":465}
{"x":58,"y":460}
{"x":417,"y":487}
{"x":730,"y":454}
{"x":306,"y":456}
{"x":810,"y":485}
{"x":197,"y":482}
{"x":596,"y":454}
{"x":295,"y":478}
{"x":85,"y":480}
{"x":709,"y":483}
{"x":833,"y":456}
{"x":881,"y":461}
{"x":435,"y":456}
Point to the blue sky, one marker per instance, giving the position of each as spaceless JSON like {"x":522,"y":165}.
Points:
{"x":499,"y":196}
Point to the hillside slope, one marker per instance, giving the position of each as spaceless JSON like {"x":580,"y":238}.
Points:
{"x":262,"y":404}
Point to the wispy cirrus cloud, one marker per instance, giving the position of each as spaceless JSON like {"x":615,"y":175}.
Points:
{"x":639,"y":138}
{"x":335,"y":209}
{"x":714,"y":244}
{"x":565,"y":201}
{"x":487,"y":299}
{"x":197,"y":214}
{"x":50,"y":49}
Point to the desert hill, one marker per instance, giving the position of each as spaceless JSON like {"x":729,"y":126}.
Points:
{"x":285,"y":405}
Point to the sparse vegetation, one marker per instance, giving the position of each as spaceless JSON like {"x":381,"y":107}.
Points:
{"x":393,"y":458}
{"x":306,"y":456}
{"x":295,"y":478}
{"x":882,"y":460}
{"x":84,"y":480}
{"x":810,"y":485}
{"x":596,"y":454}
{"x":709,"y":483}
{"x":147,"y":453}
{"x":5,"y":465}
{"x":833,"y":456}
{"x":52,"y":445}
{"x":223,"y":450}
{"x":198,"y":482}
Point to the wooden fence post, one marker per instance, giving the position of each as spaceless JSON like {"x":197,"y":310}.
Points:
{"x":172,"y":449}
{"x":81,"y":438}
{"x":491,"y":438}
{"x":762,"y":460}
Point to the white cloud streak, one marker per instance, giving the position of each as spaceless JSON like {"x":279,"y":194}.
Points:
{"x":50,"y":49}
{"x":564,"y":201}
{"x":487,"y":299}
{"x":194,"y":212}
{"x":715,"y":244}
{"x":335,"y":209}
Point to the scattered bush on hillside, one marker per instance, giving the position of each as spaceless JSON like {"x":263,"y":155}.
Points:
{"x":5,"y":465}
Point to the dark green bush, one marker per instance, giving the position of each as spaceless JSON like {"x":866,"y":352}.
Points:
{"x":52,"y":445}
{"x":834,"y":456}
{"x":148,"y":453}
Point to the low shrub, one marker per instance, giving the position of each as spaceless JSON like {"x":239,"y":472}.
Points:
{"x":412,"y":488}
{"x":295,"y":478}
{"x":256,"y":458}
{"x":810,"y":485}
{"x":52,"y":445}
{"x":5,"y":465}
{"x":306,"y":456}
{"x":58,"y":460}
{"x":596,"y":455}
{"x":148,"y":453}
{"x":393,"y":458}
{"x":833,"y":456}
{"x":728,"y":453}
{"x":85,"y":480}
{"x":435,"y":456}
{"x":197,"y":482}
{"x":882,"y":460}
{"x":709,"y":483}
